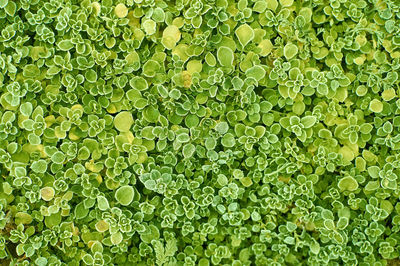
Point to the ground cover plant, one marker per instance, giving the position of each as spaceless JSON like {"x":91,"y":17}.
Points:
{"x":199,"y":132}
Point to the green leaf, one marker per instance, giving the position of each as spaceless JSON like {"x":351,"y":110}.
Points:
{"x":260,"y":6}
{"x":26,"y":109}
{"x":171,"y":35}
{"x":123,"y":121}
{"x":256,"y":72}
{"x":91,"y":76}
{"x":139,"y":84}
{"x":191,"y":121}
{"x":28,"y":124}
{"x":87,"y":259}
{"x":376,"y":106}
{"x":373,"y":171}
{"x":314,"y":247}
{"x":54,"y":219}
{"x":65,"y":45}
{"x":260,"y":131}
{"x":150,"y":234}
{"x":47,"y":193}
{"x":81,"y":211}
{"x":228,"y":140}
{"x":245,"y":34}
{"x":39,"y":166}
{"x":222,"y":180}
{"x":149,"y":26}
{"x":58,"y":157}
{"x":225,"y":56}
{"x":121,"y":10}
{"x":308,"y":121}
{"x":31,"y":71}
{"x":150,"y":68}
{"x":23,"y":218}
{"x":222,"y":127}
{"x":124,"y":195}
{"x":246,"y":181}
{"x":342,"y":223}
{"x":290,"y":51}
{"x":33,"y":139}
{"x":188,"y":150}
{"x":210,"y":59}
{"x":348,"y":183}
{"x":102,"y":203}
{"x":151,"y":114}
{"x":3,"y":3}
{"x":210,"y":143}
{"x":11,"y":8}
{"x":366,"y":128}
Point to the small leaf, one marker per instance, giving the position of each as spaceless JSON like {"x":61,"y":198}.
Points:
{"x":266,"y":46}
{"x":102,"y":203}
{"x":124,"y":195}
{"x":33,"y":139}
{"x":222,"y":180}
{"x":116,"y":238}
{"x":290,"y":51}
{"x":23,"y":218}
{"x":376,"y":106}
{"x":81,"y":211}
{"x":102,"y":226}
{"x":26,"y":109}
{"x":246,"y":181}
{"x":28,"y":124}
{"x":171,"y":35}
{"x":373,"y":171}
{"x":348,"y":183}
{"x":87,"y":259}
{"x":314,"y":247}
{"x":58,"y":157}
{"x":286,"y":3}
{"x":210,"y":143}
{"x":91,"y":76}
{"x":138,"y":83}
{"x":272,"y":4}
{"x":188,"y":150}
{"x":3,"y":3}
{"x":260,"y":6}
{"x":47,"y":193}
{"x":150,"y":68}
{"x":225,"y":56}
{"x":54,"y":219}
{"x":65,"y":45}
{"x":149,"y":26}
{"x":31,"y":71}
{"x":123,"y":121}
{"x":308,"y":121}
{"x":121,"y":10}
{"x":11,"y":8}
{"x":256,"y":72}
{"x":342,"y":223}
{"x":151,"y":114}
{"x":245,"y":34}
{"x":39,"y":166}
{"x":228,"y":140}
{"x":222,"y":127}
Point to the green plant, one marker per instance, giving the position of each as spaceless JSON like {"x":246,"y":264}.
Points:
{"x":199,"y":132}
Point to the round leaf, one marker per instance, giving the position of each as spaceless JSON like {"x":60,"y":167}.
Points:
{"x":123,"y":121}
{"x":124,"y":195}
{"x":245,"y":34}
{"x":348,"y":183}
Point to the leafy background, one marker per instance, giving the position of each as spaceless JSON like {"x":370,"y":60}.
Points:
{"x":199,"y":132}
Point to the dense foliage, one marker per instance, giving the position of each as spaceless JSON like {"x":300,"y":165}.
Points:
{"x":199,"y":132}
